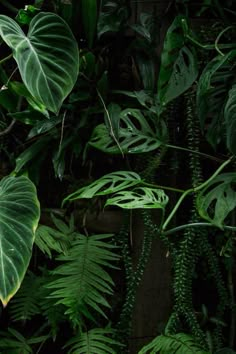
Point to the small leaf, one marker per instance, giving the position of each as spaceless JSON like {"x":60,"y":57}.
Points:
{"x":139,"y":198}
{"x":108,"y":184}
{"x":218,"y":199}
{"x":19,"y":216}
{"x":47,"y":58}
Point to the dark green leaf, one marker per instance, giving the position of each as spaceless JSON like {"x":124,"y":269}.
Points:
{"x":89,"y":18}
{"x":230,"y":120}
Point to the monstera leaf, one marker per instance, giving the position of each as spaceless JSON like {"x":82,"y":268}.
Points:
{"x":110,"y":183}
{"x":139,"y":198}
{"x":218,"y":199}
{"x":47,"y":57}
{"x":19,"y":215}
{"x":178,"y":69}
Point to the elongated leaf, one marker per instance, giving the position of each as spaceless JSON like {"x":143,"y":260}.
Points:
{"x":137,"y":134}
{"x":47,"y":57}
{"x":218,"y":199}
{"x":139,"y":198}
{"x":95,"y":341}
{"x":110,"y":183}
{"x":178,"y":64}
{"x":19,"y":215}
{"x":230,"y":120}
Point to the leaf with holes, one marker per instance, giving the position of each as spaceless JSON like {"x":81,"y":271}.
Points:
{"x":178,"y":69}
{"x":47,"y":57}
{"x":110,"y":183}
{"x":230,"y":120}
{"x":218,"y":199}
{"x":19,"y":215}
{"x":137,"y":134}
{"x":140,"y":198}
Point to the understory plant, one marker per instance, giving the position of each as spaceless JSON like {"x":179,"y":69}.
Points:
{"x":95,"y":118}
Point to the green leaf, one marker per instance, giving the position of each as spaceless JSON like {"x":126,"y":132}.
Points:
{"x":139,"y":198}
{"x":137,"y":134}
{"x":95,"y":341}
{"x":179,"y":343}
{"x":218,"y":199}
{"x":19,"y":215}
{"x":230,"y":120}
{"x":47,"y":57}
{"x":178,"y":69}
{"x":82,"y":283}
{"x":108,"y":184}
{"x":112,"y":16}
{"x":89,"y":18}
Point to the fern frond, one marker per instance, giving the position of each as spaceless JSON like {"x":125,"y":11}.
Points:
{"x":179,"y":343}
{"x":95,"y":341}
{"x":82,"y":281}
{"x":25,"y":303}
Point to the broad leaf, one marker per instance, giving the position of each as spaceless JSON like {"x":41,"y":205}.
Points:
{"x":47,"y":57}
{"x":137,"y":134}
{"x":230,"y":120}
{"x":19,"y":215}
{"x":108,"y":184}
{"x":139,"y":198}
{"x":178,"y":69}
{"x":218,"y":199}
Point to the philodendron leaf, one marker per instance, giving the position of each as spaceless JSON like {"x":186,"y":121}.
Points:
{"x":230,"y":120}
{"x":178,"y":69}
{"x":108,"y":184}
{"x":19,"y":216}
{"x":47,"y":57}
{"x":218,"y":199}
{"x":139,"y":198}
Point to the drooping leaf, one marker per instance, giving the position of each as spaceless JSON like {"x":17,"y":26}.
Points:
{"x":82,"y":283}
{"x":179,"y":343}
{"x":137,"y":134}
{"x":139,"y":198}
{"x":178,"y":69}
{"x":108,"y":184}
{"x":147,"y":26}
{"x":218,"y":199}
{"x":19,"y":215}
{"x":230,"y":120}
{"x":47,"y":57}
{"x":212,"y":92}
{"x":89,"y":18}
{"x":95,"y":341}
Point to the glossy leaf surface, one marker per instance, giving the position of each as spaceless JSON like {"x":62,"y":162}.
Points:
{"x":47,"y":57}
{"x":19,"y":215}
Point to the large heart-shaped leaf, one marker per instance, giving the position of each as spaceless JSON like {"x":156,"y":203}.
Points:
{"x":47,"y":57}
{"x":139,"y":198}
{"x":19,"y":215}
{"x":218,"y":199}
{"x":108,"y":184}
{"x":178,"y":68}
{"x":230,"y":120}
{"x":137,"y":134}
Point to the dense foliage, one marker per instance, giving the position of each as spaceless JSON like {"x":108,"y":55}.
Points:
{"x":99,"y":112}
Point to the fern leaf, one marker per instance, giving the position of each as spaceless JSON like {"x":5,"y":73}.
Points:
{"x":82,"y":282}
{"x":179,"y":343}
{"x":95,"y":341}
{"x":25,"y":303}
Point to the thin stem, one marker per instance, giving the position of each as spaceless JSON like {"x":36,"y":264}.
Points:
{"x":194,"y":152}
{"x":208,"y":46}
{"x":192,"y":190}
{"x":196,"y":224}
{"x":9,"y":128}
{"x":218,"y":38}
{"x":9,"y":6}
{"x":6,"y":58}
{"x":151,"y":185}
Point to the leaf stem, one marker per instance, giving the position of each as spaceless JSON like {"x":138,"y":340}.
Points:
{"x":196,"y":224}
{"x":194,"y":152}
{"x":6,"y":58}
{"x":162,"y":187}
{"x":208,"y":46}
{"x":9,"y":6}
{"x":192,"y":190}
{"x":218,"y":38}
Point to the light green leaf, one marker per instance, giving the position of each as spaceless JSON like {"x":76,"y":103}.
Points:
{"x":218,"y":199}
{"x":139,"y":198}
{"x":108,"y":184}
{"x":19,"y":215}
{"x":47,"y":57}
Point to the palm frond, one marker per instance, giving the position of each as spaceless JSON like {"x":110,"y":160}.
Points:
{"x":95,"y":341}
{"x":82,"y":282}
{"x":179,"y":343}
{"x":25,"y":303}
